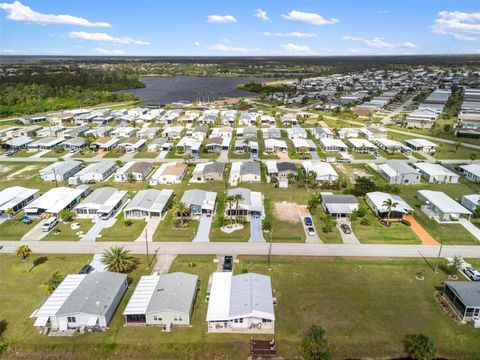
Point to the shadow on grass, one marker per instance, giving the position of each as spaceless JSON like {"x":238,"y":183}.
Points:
{"x":39,"y":261}
{"x":3,"y":326}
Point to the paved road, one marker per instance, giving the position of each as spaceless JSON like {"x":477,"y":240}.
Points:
{"x":397,"y":111}
{"x":203,"y":230}
{"x":243,"y":248}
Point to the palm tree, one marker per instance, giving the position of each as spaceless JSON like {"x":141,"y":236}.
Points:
{"x":473,"y":156}
{"x":310,"y":178}
{"x":10,"y":213}
{"x":389,"y":204}
{"x":130,"y":177}
{"x":291,"y":178}
{"x":230,"y":200}
{"x":237,"y":198}
{"x":117,"y":259}
{"x":180,"y":209}
{"x":24,"y":252}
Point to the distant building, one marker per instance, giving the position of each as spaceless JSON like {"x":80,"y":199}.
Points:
{"x":102,"y":203}
{"x":398,"y":172}
{"x":61,"y":170}
{"x":16,"y":198}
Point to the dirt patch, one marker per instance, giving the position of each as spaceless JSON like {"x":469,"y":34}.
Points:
{"x":21,"y":173}
{"x":285,"y":211}
{"x":5,"y":169}
{"x":282,"y":155}
{"x":353,"y":173}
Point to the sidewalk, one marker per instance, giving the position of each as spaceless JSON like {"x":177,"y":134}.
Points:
{"x":418,"y":229}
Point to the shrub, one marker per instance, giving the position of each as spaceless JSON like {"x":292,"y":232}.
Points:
{"x":420,"y":347}
{"x":365,"y":222}
{"x":3,"y":346}
{"x":53,"y":281}
{"x":267,"y":225}
{"x":405,"y":222}
{"x":314,"y":345}
{"x":127,"y":222}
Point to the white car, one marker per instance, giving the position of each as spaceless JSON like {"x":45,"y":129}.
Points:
{"x":49,"y":224}
{"x":310,"y":231}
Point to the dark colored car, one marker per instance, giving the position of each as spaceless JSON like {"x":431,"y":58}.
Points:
{"x":228,"y":263}
{"x":346,"y":229}
{"x":308,"y":221}
{"x":86,"y":269}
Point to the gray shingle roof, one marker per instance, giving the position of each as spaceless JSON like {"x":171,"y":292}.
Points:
{"x":250,"y":167}
{"x":467,"y":291}
{"x":175,"y":292}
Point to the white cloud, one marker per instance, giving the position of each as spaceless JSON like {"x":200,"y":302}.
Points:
{"x":109,"y":52}
{"x":221,"y":19}
{"x":409,"y":45}
{"x":294,"y":49}
{"x":457,"y":24}
{"x":352,"y":51}
{"x":103,"y":37}
{"x":309,"y":18}
{"x":261,"y":14}
{"x":19,"y":12}
{"x":293,"y":34}
{"x":376,"y":42}
{"x":384,"y":11}
{"x":196,"y":44}
{"x":226,"y":48}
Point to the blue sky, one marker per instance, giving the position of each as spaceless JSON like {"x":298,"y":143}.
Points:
{"x":239,"y":28}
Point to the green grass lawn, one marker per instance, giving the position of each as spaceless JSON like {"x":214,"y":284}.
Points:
{"x":377,"y":233}
{"x":283,"y":231}
{"x":120,"y":232}
{"x":85,"y":154}
{"x":208,"y":155}
{"x":167,"y":231}
{"x":59,"y":152}
{"x":63,"y":231}
{"x":360,"y":156}
{"x":114,"y":154}
{"x":332,"y":237}
{"x":14,"y":229}
{"x":418,"y":156}
{"x":23,"y":153}
{"x":382,"y":298}
{"x":396,"y":155}
{"x":144,"y":154}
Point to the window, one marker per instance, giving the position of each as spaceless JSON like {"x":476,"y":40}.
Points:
{"x":155,"y":318}
{"x":180,"y":318}
{"x":175,"y":318}
{"x":71,"y":319}
{"x":240,"y":321}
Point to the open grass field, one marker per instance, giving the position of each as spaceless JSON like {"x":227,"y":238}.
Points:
{"x":59,"y":152}
{"x":144,"y":154}
{"x":167,"y":231}
{"x":84,"y":154}
{"x":366,"y":306}
{"x":64,"y":231}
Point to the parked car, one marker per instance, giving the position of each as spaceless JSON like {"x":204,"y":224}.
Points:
{"x":9,"y":152}
{"x":308,"y":221}
{"x":473,"y":274}
{"x":27,"y":219}
{"x":310,"y":231}
{"x":346,"y":229}
{"x":86,"y":269}
{"x":49,"y":224}
{"x":228,"y":263}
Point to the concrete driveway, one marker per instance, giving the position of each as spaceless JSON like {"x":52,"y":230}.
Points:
{"x":150,"y":228}
{"x":256,"y":232}
{"x":347,"y":238}
{"x":36,"y":233}
{"x":472,"y":229}
{"x":162,"y":155}
{"x":223,"y":156}
{"x":97,"y":228}
{"x":303,"y":212}
{"x":314,"y":155}
{"x":39,"y":154}
{"x":203,"y":230}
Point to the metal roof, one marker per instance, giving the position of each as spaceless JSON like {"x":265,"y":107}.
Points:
{"x":12,"y":196}
{"x":174,"y":292}
{"x":61,"y":167}
{"x":202,"y":198}
{"x":150,"y":200}
{"x":467,"y":291}
{"x":55,"y":200}
{"x":443,"y":202}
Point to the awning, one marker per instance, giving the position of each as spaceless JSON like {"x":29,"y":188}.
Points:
{"x":41,"y":321}
{"x":92,"y":321}
{"x":338,"y":209}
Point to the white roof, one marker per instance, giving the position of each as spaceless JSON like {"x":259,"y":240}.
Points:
{"x":140,"y":299}
{"x":329,"y":142}
{"x":434,"y":169}
{"x":271,"y":167}
{"x":443,"y":202}
{"x":389,"y":143}
{"x":278,"y":143}
{"x":307,"y":143}
{"x":58,"y":298}
{"x":240,"y":296}
{"x":55,"y":200}
{"x":420,"y":143}
{"x":12,"y":196}
{"x":358,"y":143}
{"x":378,"y":198}
{"x":472,"y":168}
{"x":322,"y":169}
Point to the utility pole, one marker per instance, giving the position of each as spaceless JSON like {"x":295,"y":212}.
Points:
{"x":270,"y":250}
{"x":55,"y":177}
{"x":439,"y":254}
{"x":146,"y":247}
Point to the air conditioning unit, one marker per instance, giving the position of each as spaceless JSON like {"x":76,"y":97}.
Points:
{"x":476,"y":323}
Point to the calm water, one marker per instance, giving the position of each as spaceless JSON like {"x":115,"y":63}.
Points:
{"x":163,"y":90}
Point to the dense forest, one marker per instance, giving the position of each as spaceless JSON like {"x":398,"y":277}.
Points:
{"x":42,"y":92}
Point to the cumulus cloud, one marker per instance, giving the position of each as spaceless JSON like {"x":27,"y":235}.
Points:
{"x":460,"y":25}
{"x":293,"y":34}
{"x":19,"y":12}
{"x":221,"y":19}
{"x":226,"y":48}
{"x":309,"y":18}
{"x":109,"y":52}
{"x":376,"y":42}
{"x":294,"y":49}
{"x":409,"y":45}
{"x":103,"y":37}
{"x":261,"y":14}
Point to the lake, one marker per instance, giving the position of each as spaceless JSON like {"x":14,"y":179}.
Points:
{"x":167,"y":89}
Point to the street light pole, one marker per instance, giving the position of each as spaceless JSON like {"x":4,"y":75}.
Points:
{"x":439,"y":254}
{"x":146,"y":247}
{"x":270,"y":250}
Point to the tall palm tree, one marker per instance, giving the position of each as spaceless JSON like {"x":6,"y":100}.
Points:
{"x":230,"y":199}
{"x":180,"y":209}
{"x":24,"y":252}
{"x":310,"y":178}
{"x":237,"y":198}
{"x":117,"y":259}
{"x":390,"y":205}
